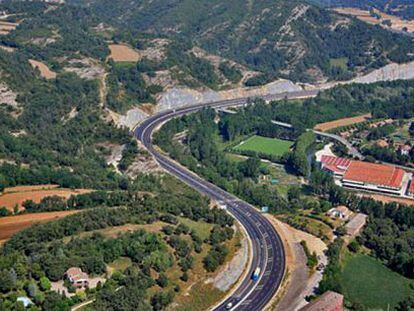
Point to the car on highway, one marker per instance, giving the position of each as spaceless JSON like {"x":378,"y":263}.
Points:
{"x":256,"y":274}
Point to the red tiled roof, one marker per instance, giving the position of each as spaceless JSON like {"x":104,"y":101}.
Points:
{"x":377,"y":174}
{"x":335,"y":164}
{"x":411,"y":186}
{"x":75,"y":274}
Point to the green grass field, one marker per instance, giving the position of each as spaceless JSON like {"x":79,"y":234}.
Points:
{"x":271,"y":146}
{"x":367,"y":281}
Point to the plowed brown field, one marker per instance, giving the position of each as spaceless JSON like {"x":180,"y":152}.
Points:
{"x":341,"y":122}
{"x":13,"y":224}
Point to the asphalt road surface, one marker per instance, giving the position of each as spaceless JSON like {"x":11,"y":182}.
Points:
{"x":267,"y":248}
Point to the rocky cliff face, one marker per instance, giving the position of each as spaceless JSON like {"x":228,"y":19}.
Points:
{"x":180,"y":97}
{"x":389,"y":72}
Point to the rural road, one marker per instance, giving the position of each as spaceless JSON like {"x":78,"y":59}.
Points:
{"x":267,"y":248}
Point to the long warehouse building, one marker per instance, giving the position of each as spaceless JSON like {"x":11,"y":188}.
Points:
{"x":366,"y":176}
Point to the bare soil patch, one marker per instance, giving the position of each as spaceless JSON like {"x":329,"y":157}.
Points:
{"x":123,"y":53}
{"x":13,"y":224}
{"x":7,"y":27}
{"x":326,"y":126}
{"x":11,"y":199}
{"x":396,"y":22}
{"x":45,"y":72}
{"x":7,"y":48}
{"x":86,"y":68}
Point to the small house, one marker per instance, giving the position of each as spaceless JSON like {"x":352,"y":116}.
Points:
{"x":77,"y":277}
{"x":340,"y":212}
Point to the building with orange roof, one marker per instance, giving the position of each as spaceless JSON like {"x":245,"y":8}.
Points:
{"x":376,"y":177}
{"x":77,"y":277}
{"x":335,"y":165}
{"x":387,"y":179}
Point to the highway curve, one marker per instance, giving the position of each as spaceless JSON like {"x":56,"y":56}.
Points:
{"x":267,"y":248}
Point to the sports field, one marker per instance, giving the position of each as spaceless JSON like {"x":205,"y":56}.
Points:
{"x":367,"y":281}
{"x":271,"y":146}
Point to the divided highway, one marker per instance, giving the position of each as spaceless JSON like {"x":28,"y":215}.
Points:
{"x":267,"y":248}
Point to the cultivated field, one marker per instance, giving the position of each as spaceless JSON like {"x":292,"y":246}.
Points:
{"x":271,"y":146}
{"x":17,"y":195}
{"x":341,"y":122}
{"x":397,"y":23}
{"x":367,"y":281}
{"x":13,"y":224}
{"x":45,"y":72}
{"x":123,"y":53}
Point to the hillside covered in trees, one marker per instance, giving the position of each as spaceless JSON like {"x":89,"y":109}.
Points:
{"x":277,"y":38}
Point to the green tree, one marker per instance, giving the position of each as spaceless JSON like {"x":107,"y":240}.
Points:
{"x":45,"y":284}
{"x":8,"y":280}
{"x":162,"y":280}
